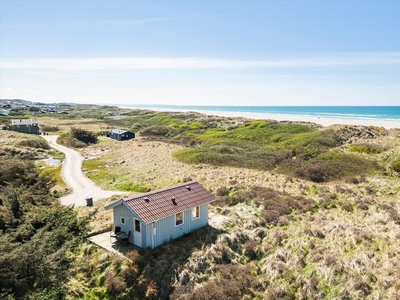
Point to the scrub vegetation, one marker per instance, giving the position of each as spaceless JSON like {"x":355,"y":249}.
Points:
{"x":38,"y":236}
{"x":303,"y":212}
{"x":77,"y":138}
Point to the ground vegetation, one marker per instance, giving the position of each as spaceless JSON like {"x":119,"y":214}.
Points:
{"x":317,"y":218}
{"x":77,"y":138}
{"x":38,"y":236}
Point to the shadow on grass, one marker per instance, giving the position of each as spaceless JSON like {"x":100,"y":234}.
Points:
{"x":159,"y":267}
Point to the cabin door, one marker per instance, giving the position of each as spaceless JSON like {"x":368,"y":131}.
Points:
{"x":137,"y":233}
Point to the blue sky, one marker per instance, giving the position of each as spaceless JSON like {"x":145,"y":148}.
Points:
{"x":201,"y":52}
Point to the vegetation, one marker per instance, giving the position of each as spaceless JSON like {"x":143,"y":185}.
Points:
{"x":304,"y":216}
{"x":38,"y":143}
{"x":77,"y":138}
{"x":296,"y":150}
{"x":97,"y":171}
{"x":47,"y":128}
{"x":366,"y":148}
{"x":396,"y":165}
{"x":37,"y":236}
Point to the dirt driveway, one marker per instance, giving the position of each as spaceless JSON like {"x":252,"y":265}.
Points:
{"x":72,"y":175}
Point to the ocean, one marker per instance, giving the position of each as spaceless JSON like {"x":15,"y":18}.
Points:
{"x":378,"y":113}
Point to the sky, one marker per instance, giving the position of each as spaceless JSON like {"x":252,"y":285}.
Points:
{"x":201,"y":52}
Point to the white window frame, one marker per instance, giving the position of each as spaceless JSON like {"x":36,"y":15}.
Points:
{"x":176,"y":225}
{"x":122,"y":220}
{"x":194,"y":212}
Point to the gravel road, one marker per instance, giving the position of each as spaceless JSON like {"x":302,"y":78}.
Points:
{"x":72,"y":175}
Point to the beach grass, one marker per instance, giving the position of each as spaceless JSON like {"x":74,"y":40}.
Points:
{"x":295,"y":150}
{"x":319,"y":219}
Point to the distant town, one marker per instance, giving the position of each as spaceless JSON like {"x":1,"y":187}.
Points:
{"x":33,"y":108}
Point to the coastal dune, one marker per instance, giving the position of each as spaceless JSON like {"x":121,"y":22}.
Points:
{"x":324,"y":121}
{"x":328,"y":118}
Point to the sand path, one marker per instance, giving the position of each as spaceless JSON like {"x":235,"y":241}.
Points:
{"x":71,"y":172}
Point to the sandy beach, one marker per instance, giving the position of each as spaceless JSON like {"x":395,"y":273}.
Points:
{"x":388,"y":124}
{"x":324,"y":121}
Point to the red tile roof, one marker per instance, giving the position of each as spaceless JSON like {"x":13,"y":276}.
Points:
{"x":159,"y":204}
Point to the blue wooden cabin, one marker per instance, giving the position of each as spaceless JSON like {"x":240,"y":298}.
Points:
{"x":154,"y":218}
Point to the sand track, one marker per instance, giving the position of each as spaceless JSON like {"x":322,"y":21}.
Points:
{"x":72,"y":175}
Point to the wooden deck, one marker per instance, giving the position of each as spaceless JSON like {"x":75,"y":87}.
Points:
{"x":103,"y":241}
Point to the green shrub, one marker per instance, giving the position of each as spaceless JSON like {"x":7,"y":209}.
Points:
{"x":396,"y":165}
{"x":197,"y":125}
{"x":78,"y":138}
{"x":366,"y":148}
{"x":225,"y":149}
{"x":75,"y":143}
{"x":132,"y":187}
{"x":329,"y":166}
{"x":49,"y":128}
{"x":158,"y":130}
{"x":38,"y":241}
{"x":34,"y":143}
{"x":83,"y":136}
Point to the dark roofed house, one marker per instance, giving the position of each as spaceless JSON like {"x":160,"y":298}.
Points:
{"x":24,"y":125}
{"x":154,"y":218}
{"x":121,"y":135}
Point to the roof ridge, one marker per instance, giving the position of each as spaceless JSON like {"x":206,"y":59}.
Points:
{"x":159,"y":191}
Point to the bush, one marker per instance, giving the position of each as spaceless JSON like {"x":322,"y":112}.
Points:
{"x":78,"y":138}
{"x":366,"y":148}
{"x":158,"y":130}
{"x":250,"y":249}
{"x":231,"y":282}
{"x":49,"y":128}
{"x":396,"y":165}
{"x":132,"y":187}
{"x":222,"y":191}
{"x":38,"y":240}
{"x":76,"y":143}
{"x":84,"y":136}
{"x":315,"y":173}
{"x":279,"y":204}
{"x":330,"y":166}
{"x":38,"y":143}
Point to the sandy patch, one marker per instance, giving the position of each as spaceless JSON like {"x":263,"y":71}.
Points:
{"x":216,"y":220}
{"x":152,"y":164}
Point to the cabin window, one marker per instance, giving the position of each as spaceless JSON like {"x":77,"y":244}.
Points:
{"x":196,"y":212}
{"x":178,"y":219}
{"x":123,"y":220}
{"x":137,"y":225}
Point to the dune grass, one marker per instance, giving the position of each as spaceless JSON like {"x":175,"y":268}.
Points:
{"x":282,"y":236}
{"x":296,"y":150}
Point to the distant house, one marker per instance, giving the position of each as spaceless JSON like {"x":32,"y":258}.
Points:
{"x":4,"y":112}
{"x":154,"y":218}
{"x":34,"y":110}
{"x":24,"y":125}
{"x":121,"y":135}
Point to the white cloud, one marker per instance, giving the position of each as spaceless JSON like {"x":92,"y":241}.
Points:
{"x":135,"y":22}
{"x":130,"y":63}
{"x":29,"y":91}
